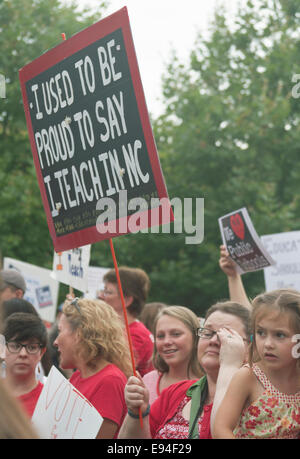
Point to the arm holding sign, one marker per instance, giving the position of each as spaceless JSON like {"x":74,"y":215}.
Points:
{"x":235,"y":284}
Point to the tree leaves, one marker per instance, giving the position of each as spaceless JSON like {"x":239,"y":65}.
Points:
{"x":28,"y":29}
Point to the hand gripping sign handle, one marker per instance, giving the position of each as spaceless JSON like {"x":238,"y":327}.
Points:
{"x":125,"y":316}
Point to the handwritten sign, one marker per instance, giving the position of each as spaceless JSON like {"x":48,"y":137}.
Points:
{"x":285,"y":249}
{"x":41,"y":288}
{"x":71,"y":267}
{"x":91,"y":138}
{"x":63,"y":412}
{"x":95,"y":281}
{"x":242,"y":242}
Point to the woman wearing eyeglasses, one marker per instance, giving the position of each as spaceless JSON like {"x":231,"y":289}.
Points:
{"x":26,"y":341}
{"x":91,"y":339}
{"x":185,"y":409}
{"x":175,"y":350}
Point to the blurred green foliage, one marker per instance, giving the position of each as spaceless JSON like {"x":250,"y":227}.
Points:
{"x":229,"y":134}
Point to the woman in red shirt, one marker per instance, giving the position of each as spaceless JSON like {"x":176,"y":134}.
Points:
{"x":183,"y":410}
{"x":92,"y":340}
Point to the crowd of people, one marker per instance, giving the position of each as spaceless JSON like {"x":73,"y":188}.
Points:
{"x":169,"y":374}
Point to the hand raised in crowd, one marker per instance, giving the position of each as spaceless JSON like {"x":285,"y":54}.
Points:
{"x":236,"y":288}
{"x":232,"y":351}
{"x":226,"y":263}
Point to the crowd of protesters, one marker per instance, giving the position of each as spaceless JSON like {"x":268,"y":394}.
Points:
{"x":231,"y":374}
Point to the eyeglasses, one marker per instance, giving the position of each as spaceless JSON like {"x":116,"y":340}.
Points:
{"x":75,"y":304}
{"x":207,"y":333}
{"x":14,"y":347}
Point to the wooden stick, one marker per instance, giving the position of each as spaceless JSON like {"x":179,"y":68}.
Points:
{"x":125,"y":316}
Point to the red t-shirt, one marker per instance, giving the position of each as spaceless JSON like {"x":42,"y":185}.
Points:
{"x":105,"y":391}
{"x":30,"y":399}
{"x":165,"y":407}
{"x":142,"y":343}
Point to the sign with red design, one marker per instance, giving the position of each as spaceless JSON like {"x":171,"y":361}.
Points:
{"x":243,"y":243}
{"x":91,"y":138}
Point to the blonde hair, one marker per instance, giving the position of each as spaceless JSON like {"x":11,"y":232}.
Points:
{"x":283,"y":301}
{"x":191,"y":321}
{"x":101,"y":333}
{"x":14,"y":423}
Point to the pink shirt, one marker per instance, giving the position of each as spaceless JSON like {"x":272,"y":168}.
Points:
{"x":152,"y":380}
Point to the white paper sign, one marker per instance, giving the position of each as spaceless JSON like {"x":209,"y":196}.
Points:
{"x":242,"y":242}
{"x":42,"y":289}
{"x":285,"y":249}
{"x":2,"y":347}
{"x":71,"y":267}
{"x":63,"y":412}
{"x":95,"y":281}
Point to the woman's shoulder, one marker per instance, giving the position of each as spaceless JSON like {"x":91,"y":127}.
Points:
{"x":171,"y":396}
{"x":110,"y":373}
{"x":112,"y":370}
{"x":178,"y":389}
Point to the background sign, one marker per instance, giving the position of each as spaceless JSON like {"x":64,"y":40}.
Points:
{"x":42,"y":289}
{"x":63,"y":412}
{"x":91,"y":136}
{"x":242,"y":242}
{"x":71,"y":267}
{"x":95,"y":281}
{"x":285,"y":249}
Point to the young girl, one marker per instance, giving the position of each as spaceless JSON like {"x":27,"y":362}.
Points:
{"x":263,"y":399}
{"x":175,"y":349}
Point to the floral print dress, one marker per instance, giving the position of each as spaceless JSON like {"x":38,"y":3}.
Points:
{"x":272,"y":415}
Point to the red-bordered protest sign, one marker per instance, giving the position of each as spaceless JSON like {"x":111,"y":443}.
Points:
{"x":243,"y":243}
{"x":91,"y":138}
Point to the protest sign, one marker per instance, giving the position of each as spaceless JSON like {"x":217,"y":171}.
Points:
{"x":62,"y":412}
{"x":71,"y":267}
{"x":42,"y":289}
{"x":2,"y":347}
{"x":242,"y":242}
{"x":92,"y":143}
{"x":285,"y":250}
{"x":95,"y":281}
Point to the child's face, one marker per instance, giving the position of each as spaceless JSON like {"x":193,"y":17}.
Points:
{"x":273,"y":336}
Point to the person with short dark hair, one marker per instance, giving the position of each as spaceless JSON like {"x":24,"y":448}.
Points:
{"x":13,"y":305}
{"x":135,"y":286}
{"x":26,"y":341}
